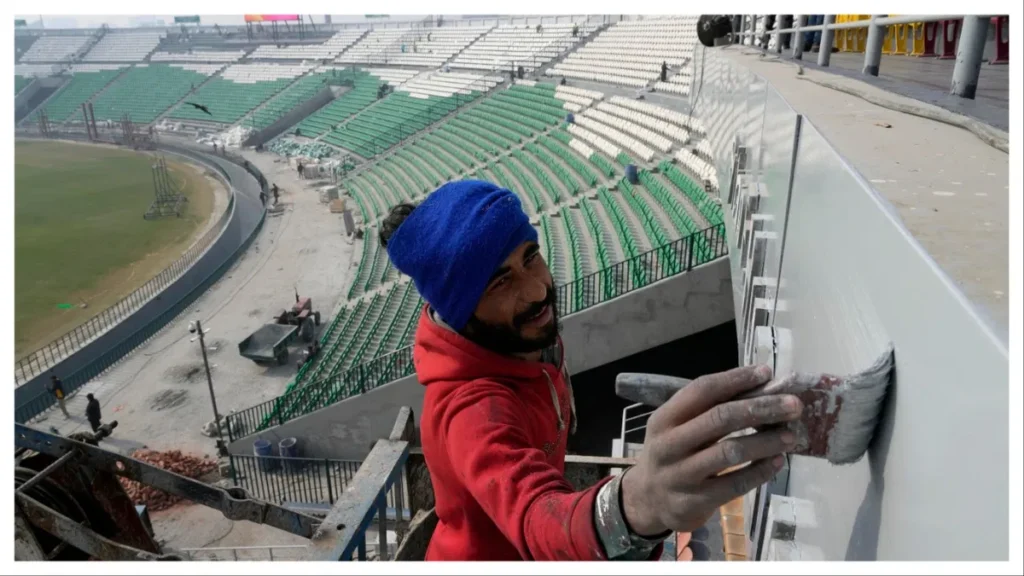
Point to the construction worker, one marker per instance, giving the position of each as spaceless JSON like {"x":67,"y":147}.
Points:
{"x":664,"y":71}
{"x":56,"y":387}
{"x":92,"y":412}
{"x":276,"y":192}
{"x":498,"y":405}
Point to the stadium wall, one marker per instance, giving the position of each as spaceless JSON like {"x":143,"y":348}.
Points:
{"x":293,"y":117}
{"x":244,"y":218}
{"x":836,"y":278}
{"x":663,"y":312}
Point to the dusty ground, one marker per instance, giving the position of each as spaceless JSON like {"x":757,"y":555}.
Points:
{"x":950,"y":188}
{"x":159,"y":394}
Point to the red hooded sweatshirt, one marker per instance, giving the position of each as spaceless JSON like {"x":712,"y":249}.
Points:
{"x":494,"y":432}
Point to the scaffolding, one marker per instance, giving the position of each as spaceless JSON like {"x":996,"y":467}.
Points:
{"x":168,"y":199}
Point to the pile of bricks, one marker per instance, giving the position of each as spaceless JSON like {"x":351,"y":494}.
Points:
{"x":172,"y":461}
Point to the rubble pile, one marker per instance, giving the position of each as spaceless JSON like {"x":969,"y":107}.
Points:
{"x":172,"y":461}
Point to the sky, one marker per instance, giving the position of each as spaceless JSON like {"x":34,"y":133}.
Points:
{"x":130,"y":20}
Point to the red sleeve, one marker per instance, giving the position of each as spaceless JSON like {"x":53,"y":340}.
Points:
{"x":528,"y":499}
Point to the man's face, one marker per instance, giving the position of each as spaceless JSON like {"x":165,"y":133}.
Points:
{"x":517,"y":312}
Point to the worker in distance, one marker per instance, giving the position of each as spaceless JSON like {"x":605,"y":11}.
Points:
{"x":499,"y":405}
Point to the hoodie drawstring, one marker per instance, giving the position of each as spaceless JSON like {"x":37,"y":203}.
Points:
{"x":558,"y":406}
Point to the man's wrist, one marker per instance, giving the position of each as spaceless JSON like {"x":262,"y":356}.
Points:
{"x":634,"y":512}
{"x":620,"y":542}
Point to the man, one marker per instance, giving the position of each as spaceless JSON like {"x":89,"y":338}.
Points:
{"x":56,"y":387}
{"x":812,"y":40}
{"x":498,"y":406}
{"x":92,"y":412}
{"x":277,"y":192}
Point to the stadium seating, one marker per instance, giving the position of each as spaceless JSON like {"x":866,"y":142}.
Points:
{"x":507,"y":46}
{"x":299,"y":92}
{"x":327,"y":50}
{"x":239,"y":89}
{"x":376,"y":46}
{"x":392,"y":76}
{"x":133,"y":92}
{"x":394,"y":119}
{"x":446,"y":84}
{"x":429,"y":48}
{"x":207,"y":56}
{"x":699,"y":167}
{"x":128,"y":47}
{"x":681,"y":120}
{"x":55,"y":48}
{"x":362,"y":94}
{"x":86,"y":80}
{"x":21,"y":82}
{"x":33,"y":70}
{"x":631,"y":52}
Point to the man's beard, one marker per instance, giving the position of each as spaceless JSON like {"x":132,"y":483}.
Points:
{"x":507,"y":339}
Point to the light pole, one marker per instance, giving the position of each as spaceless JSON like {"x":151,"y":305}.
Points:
{"x":197,"y":328}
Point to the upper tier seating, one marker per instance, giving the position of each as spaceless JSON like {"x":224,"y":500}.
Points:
{"x":324,"y":51}
{"x":375,"y":46}
{"x":522,"y":45}
{"x":430,"y":48}
{"x":55,"y":48}
{"x":631,"y":52}
{"x":133,"y":47}
{"x":446,"y":84}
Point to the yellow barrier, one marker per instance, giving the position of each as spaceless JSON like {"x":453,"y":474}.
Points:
{"x":854,"y":39}
{"x":898,"y":38}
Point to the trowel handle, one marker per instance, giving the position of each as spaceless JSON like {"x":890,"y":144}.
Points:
{"x":649,"y":389}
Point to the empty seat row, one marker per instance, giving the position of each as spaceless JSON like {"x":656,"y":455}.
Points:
{"x":658,"y":141}
{"x":630,"y":143}
{"x":199,"y":56}
{"x":55,"y":48}
{"x":591,"y":94}
{"x":133,"y":94}
{"x":594,"y":140}
{"x":682,"y":120}
{"x":596,"y":77}
{"x":670,"y":130}
{"x":700,"y":167}
{"x":237,"y":91}
{"x":505,"y":47}
{"x":326,"y":50}
{"x":672,"y":88}
{"x":119,"y":47}
{"x":86,"y":81}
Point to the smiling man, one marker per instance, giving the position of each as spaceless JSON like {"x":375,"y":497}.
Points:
{"x":499,"y":405}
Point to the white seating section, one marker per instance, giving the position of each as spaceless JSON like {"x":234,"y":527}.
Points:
{"x":55,"y":48}
{"x":199,"y":56}
{"x":681,"y":120}
{"x":204,"y":69}
{"x":573,"y":98}
{"x":590,"y":94}
{"x":392,"y":76}
{"x":697,"y":165}
{"x":659,"y":142}
{"x":29,"y":70}
{"x":446,"y":84}
{"x":680,"y":89}
{"x":628,"y":142}
{"x":631,"y":52}
{"x":253,"y":73}
{"x":703,"y":149}
{"x":375,"y":47}
{"x":327,"y":50}
{"x":508,"y":46}
{"x":594,"y":140}
{"x":116,"y":47}
{"x":579,"y":146}
{"x":433,"y":47}
{"x":571,"y":107}
{"x":670,"y":130}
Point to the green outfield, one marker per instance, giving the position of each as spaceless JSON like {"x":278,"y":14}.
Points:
{"x":79,"y":235}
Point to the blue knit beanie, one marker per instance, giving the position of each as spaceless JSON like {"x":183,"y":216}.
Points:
{"x":453,"y":242}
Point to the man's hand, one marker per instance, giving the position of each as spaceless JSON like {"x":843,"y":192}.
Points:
{"x":677,"y":483}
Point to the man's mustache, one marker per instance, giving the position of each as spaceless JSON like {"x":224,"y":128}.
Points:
{"x":534,"y":309}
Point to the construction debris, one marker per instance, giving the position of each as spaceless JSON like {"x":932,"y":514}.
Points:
{"x":172,"y":461}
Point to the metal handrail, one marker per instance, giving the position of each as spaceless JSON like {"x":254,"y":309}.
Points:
{"x":874,"y":21}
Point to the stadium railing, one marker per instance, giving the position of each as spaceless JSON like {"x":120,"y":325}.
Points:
{"x":576,"y":296}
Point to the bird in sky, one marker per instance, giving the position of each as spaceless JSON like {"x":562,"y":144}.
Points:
{"x":200,"y":107}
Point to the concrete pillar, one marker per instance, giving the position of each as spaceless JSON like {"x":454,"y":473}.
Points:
{"x":798,"y":37}
{"x":873,"y":50}
{"x":827,"y":38}
{"x":742,"y":28}
{"x":779,"y":18}
{"x":970,"y":49}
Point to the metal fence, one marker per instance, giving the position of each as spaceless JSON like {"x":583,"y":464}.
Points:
{"x":38,"y":361}
{"x":283,"y":480}
{"x":656,"y":264}
{"x":72,"y":382}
